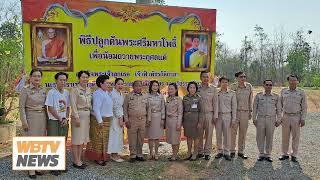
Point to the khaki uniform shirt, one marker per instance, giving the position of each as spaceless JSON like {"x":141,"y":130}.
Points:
{"x":244,"y":96}
{"x":228,"y":103}
{"x":209,"y":101}
{"x":266,"y":105}
{"x":31,"y":99}
{"x":80,"y":100}
{"x":294,"y":102}
{"x":136,"y":105}
{"x":157,"y":104}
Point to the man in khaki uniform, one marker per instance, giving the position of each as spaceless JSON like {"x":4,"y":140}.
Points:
{"x":227,"y":117}
{"x":209,"y":113}
{"x":294,"y":108}
{"x":137,"y":116}
{"x":266,"y":115}
{"x":244,"y":94}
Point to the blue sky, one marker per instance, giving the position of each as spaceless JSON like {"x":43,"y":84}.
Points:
{"x":237,"y":18}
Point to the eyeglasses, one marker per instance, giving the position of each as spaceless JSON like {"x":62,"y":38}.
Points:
{"x":268,"y":85}
{"x":242,"y":76}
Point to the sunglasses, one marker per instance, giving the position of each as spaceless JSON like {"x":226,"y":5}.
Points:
{"x":242,"y":76}
{"x":268,"y":85}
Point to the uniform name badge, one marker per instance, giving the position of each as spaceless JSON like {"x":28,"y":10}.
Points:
{"x":194,"y":106}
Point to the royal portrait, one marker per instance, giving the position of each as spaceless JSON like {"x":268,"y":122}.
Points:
{"x":195,"y":51}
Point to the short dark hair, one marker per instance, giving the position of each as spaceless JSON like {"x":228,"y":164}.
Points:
{"x":176,"y":87}
{"x":150,"y":86}
{"x":293,"y":76}
{"x":118,"y":79}
{"x":264,"y":82}
{"x":35,"y":70}
{"x":82,"y":72}
{"x":224,"y":78}
{"x":203,"y":72}
{"x":60,"y":74}
{"x":135,"y":82}
{"x":101,"y":79}
{"x":190,"y":83}
{"x":238,"y":73}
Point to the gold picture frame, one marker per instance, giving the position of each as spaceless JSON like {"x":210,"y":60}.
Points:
{"x":195,"y":50}
{"x":51,"y":46}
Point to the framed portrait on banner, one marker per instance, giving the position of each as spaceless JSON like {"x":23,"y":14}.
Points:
{"x":51,"y":45}
{"x":195,"y":51}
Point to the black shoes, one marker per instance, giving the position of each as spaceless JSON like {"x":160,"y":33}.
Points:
{"x":83,"y":166}
{"x":188,"y":158}
{"x":294,"y":159}
{"x":260,"y":158}
{"x":140,"y":158}
{"x":207,"y":157}
{"x":227,"y":157}
{"x":33,"y":176}
{"x":243,"y":156}
{"x":200,"y":156}
{"x":232,"y":155}
{"x":283,"y":157}
{"x":218,"y":156}
{"x":269,"y":159}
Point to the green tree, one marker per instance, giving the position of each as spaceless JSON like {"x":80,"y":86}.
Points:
{"x":11,"y":61}
{"x":299,"y":56}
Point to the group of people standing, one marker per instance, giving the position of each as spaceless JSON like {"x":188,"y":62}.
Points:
{"x":98,"y":118}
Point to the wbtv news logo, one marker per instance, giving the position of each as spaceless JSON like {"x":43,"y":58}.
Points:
{"x":38,"y":153}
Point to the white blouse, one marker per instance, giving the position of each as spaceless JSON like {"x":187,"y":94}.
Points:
{"x":102,"y":104}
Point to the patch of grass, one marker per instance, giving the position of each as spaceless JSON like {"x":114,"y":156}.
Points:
{"x":313,"y":122}
{"x":196,"y":166}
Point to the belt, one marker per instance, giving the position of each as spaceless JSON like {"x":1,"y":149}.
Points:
{"x":83,"y":109}
{"x":155,"y":111}
{"x":225,"y":112}
{"x":292,"y":114}
{"x":39,"y":111}
{"x":243,"y":110}
{"x":267,"y":115}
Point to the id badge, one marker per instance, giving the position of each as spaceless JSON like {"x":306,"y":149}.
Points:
{"x":194,"y":106}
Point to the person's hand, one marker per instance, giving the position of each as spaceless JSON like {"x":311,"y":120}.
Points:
{"x":128,"y":124}
{"x":178,"y":127}
{"x":199,"y":126}
{"x":233,"y":124}
{"x":214,"y":120}
{"x":302,"y":123}
{"x":121,"y":122}
{"x":162,"y":123}
{"x":25,"y":126}
{"x":77,"y":121}
{"x":255,"y":123}
{"x":100,"y":125}
{"x":148,"y":123}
